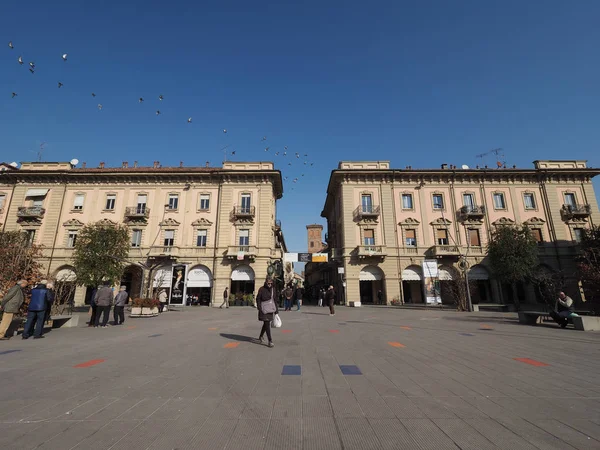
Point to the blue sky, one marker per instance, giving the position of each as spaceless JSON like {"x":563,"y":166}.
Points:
{"x":417,"y":83}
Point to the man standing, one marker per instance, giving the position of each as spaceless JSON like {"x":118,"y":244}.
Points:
{"x":162,"y":298}
{"x":299,"y":294}
{"x":330,"y":298}
{"x":104,"y":298}
{"x":564,"y":308}
{"x":120,"y":302}
{"x":379,"y":297}
{"x":225,"y":299}
{"x":321,"y":295}
{"x":93,"y":307}
{"x":36,"y":311}
{"x":11,"y":303}
{"x":288,"y":294}
{"x":50,"y":297}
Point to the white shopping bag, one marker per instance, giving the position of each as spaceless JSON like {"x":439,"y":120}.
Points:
{"x":276,"y":321}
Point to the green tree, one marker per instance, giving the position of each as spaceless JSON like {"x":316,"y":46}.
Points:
{"x":513,"y":255}
{"x":99,"y":252}
{"x":588,"y":264}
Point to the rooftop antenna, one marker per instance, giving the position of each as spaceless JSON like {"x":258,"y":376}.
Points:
{"x":40,"y":152}
{"x":500,"y":160}
{"x":224,"y":150}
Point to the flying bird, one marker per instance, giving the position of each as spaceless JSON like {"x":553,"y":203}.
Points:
{"x":276,"y":153}
{"x":285,"y":148}
{"x":160,"y":97}
{"x":31,"y":70}
{"x":289,"y":164}
{"x":233,"y":152}
{"x":297,"y":155}
{"x":224,"y":131}
{"x":312,"y":164}
{"x":32,"y":65}
{"x":100,"y":106}
{"x":295,"y":180}
{"x":158,"y":113}
{"x":284,"y":153}
{"x":267,"y":149}
{"x":302,"y":174}
{"x":14,"y":94}
{"x":10,"y":44}
{"x":60,"y":85}
{"x":93,"y":95}
{"x":264,"y":138}
{"x":20,"y":60}
{"x":285,"y":178}
{"x":141,"y":100}
{"x":305,"y":155}
{"x":304,"y":162}
{"x":64,"y":56}
{"x":189,"y":120}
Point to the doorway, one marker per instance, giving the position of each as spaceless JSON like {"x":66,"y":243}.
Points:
{"x":371,"y":285}
{"x":412,"y":284}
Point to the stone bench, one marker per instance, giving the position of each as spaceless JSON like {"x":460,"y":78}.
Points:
{"x":64,"y":321}
{"x":586,"y":323}
{"x":531,"y":317}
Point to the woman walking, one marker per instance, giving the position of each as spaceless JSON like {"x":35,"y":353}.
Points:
{"x":267,"y":308}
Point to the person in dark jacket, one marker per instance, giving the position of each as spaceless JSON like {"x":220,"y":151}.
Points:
{"x":11,"y":303}
{"x":288,"y":294}
{"x":120,"y":302}
{"x":330,"y":299}
{"x":36,"y":311}
{"x":299,"y":295}
{"x":104,"y":299}
{"x":267,"y":308}
{"x":93,"y":307}
{"x":51,"y":296}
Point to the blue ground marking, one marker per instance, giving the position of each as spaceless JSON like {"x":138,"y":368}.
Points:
{"x":291,"y":370}
{"x":466,"y":334}
{"x":350,"y":370}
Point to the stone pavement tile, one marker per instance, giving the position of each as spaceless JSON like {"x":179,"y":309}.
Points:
{"x":107,"y":436}
{"x":530,"y":407}
{"x":229,"y":409}
{"x":463,"y":435}
{"x":87,"y":409}
{"x":267,"y":386}
{"x":313,"y":386}
{"x":214,"y":434}
{"x":141,"y":436}
{"x":427,"y":435}
{"x":357,"y":434}
{"x":60,"y":408}
{"x":568,"y":434}
{"x":345,"y":405}
{"x":316,"y":406}
{"x":284,"y":434}
{"x":13,"y":408}
{"x":193,"y":390}
{"x":114,"y":410}
{"x":172,"y":409}
{"x":320,"y":433}
{"x":404,"y":408}
{"x":216,"y":390}
{"x":584,"y":426}
{"x":460,"y":407}
{"x":287,"y":407}
{"x":258,"y":408}
{"x":496,"y":432}
{"x":43,"y":432}
{"x":433,"y":408}
{"x":392,"y":434}
{"x":10,"y":432}
{"x":375,"y":407}
{"x":362,"y":386}
{"x":289,"y":386}
{"x":77,"y":432}
{"x":488,"y":407}
{"x":533,"y":434}
{"x":411,"y":390}
{"x":250,"y":434}
{"x":582,"y":408}
{"x":143,"y":409}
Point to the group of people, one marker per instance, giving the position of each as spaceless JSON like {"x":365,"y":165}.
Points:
{"x":291,"y":295}
{"x":329,"y":297}
{"x":101,"y":302}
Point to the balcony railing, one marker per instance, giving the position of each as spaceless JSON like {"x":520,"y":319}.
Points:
{"x":472,"y":212}
{"x":241,"y":251}
{"x":365,"y":211}
{"x":243,"y":211}
{"x":33,"y":212}
{"x":366,"y":251}
{"x":137,"y":212}
{"x":446,"y":250}
{"x":569,"y":211}
{"x":164,"y":250}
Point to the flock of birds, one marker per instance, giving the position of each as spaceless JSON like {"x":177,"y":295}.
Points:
{"x":296,"y":160}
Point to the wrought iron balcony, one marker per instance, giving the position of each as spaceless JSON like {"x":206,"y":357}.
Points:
{"x":366,"y":211}
{"x":368,"y":251}
{"x":241,"y":251}
{"x":570,"y":211}
{"x":445,"y":250}
{"x":31,"y":212}
{"x":472,"y":212}
{"x":243,"y":212}
{"x":137,"y":212}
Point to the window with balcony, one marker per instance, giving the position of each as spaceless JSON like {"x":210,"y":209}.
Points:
{"x":111,"y":200}
{"x":244,"y":238}
{"x":537,"y":235}
{"x":474,"y":240}
{"x":71,"y":238}
{"x":173,"y":201}
{"x":366,"y":203}
{"x":136,"y":238}
{"x":204,"y":202}
{"x":441,"y":236}
{"x":142,"y":202}
{"x":78,"y":202}
{"x":246,"y":204}
{"x":499,"y":202}
{"x":407,"y":201}
{"x":438,"y":201}
{"x":529,"y":200}
{"x":469,"y":201}
{"x":410,"y":238}
{"x":201,"y":238}
{"x":2,"y":201}
{"x":37,"y":202}
{"x":570,"y":199}
{"x":369,"y":237}
{"x":169,"y":238}
{"x":578,"y":234}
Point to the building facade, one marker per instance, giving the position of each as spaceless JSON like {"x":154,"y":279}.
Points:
{"x":216,"y":226}
{"x":383,"y":223}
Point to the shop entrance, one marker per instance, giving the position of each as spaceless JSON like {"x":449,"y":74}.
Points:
{"x":412,"y":284}
{"x":199,"y":286}
{"x":372,"y":285}
{"x":242,"y":282}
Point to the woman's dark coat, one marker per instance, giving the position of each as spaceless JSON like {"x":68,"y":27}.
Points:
{"x":264,"y":295}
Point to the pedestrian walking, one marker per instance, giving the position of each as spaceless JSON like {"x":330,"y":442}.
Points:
{"x":379,"y":297}
{"x":299,"y":294}
{"x":11,"y":303}
{"x":162,"y":298}
{"x":120,"y":302}
{"x":321,"y":295}
{"x":93,"y":307}
{"x":104,"y":299}
{"x":36,"y":311}
{"x":330,"y":299}
{"x":267,"y":308}
{"x":50,"y":301}
{"x":288,"y":294}
{"x":225,"y":298}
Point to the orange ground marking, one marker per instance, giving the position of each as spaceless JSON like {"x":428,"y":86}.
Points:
{"x":231,"y":345}
{"x":396,"y":344}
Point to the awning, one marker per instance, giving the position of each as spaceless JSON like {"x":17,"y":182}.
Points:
{"x":199,"y":276}
{"x":370,"y":273}
{"x":411,"y":274}
{"x":162,"y":277}
{"x":242,"y":273}
{"x":66,"y":275}
{"x":445,"y":274}
{"x":478,"y":273}
{"x":36,"y":192}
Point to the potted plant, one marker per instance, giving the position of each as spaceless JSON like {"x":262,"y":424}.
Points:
{"x":145,"y":307}
{"x":250,"y":299}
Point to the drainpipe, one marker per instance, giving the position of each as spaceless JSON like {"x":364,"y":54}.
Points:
{"x":550,"y":217}
{"x":62,"y":204}
{"x":219,"y":212}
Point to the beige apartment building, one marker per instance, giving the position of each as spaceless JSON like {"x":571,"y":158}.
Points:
{"x":383,"y":223}
{"x":215,"y":227}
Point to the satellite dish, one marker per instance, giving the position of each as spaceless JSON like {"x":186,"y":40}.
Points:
{"x":74,"y":161}
{"x":464,"y":166}
{"x":14,"y":164}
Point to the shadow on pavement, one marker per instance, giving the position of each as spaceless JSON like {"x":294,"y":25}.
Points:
{"x":237,"y":337}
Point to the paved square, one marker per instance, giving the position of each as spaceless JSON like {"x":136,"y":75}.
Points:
{"x":206,"y":383}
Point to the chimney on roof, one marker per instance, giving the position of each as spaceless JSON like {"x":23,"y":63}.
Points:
{"x":444,"y":166}
{"x":180,"y":163}
{"x":101,"y":166}
{"x":156,"y":164}
{"x":125,"y":165}
{"x":207,"y":164}
{"x":83,"y":165}
{"x":135,"y":164}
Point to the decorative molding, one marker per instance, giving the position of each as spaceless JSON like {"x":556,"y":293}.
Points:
{"x":409,"y":222}
{"x":503,"y":221}
{"x":442,"y":221}
{"x":201,"y":222}
{"x":170,"y":222}
{"x":73,"y":223}
{"x":107,"y":222}
{"x":535,"y":221}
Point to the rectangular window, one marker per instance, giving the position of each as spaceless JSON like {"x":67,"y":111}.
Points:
{"x":441,"y":236}
{"x":111,"y":199}
{"x":578,"y":234}
{"x":570,"y":199}
{"x":37,"y":202}
{"x":438,"y":201}
{"x":30,"y":237}
{"x":469,"y":201}
{"x":244,"y":238}
{"x":246,"y":203}
{"x":201,"y":239}
{"x":410,"y":238}
{"x":369,"y":237}
{"x":204,"y":201}
{"x":499,"y":201}
{"x":136,"y":238}
{"x":142,"y":201}
{"x":529,"y":201}
{"x":2,"y":201}
{"x":366,"y":203}
{"x":78,"y":202}
{"x":173,"y":201}
{"x":71,"y":238}
{"x":169,"y":238}
{"x":474,"y":240}
{"x":407,"y":201}
{"x":537,"y":235}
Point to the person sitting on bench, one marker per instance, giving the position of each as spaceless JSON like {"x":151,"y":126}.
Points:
{"x":564,"y":309}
